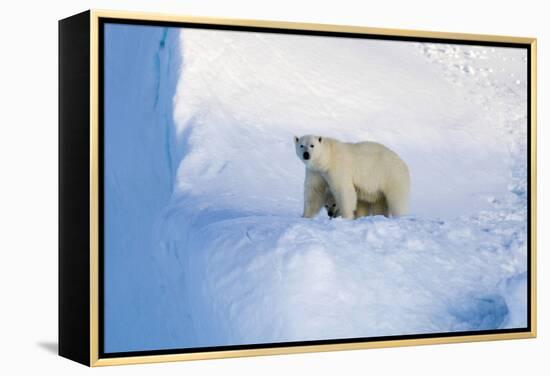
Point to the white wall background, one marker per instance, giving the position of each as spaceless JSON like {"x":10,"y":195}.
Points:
{"x":28,"y":199}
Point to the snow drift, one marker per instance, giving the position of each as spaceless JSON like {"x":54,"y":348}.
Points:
{"x":230,"y":261}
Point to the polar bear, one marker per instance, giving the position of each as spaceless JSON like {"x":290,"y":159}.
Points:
{"x":364,"y":171}
{"x":363,"y":208}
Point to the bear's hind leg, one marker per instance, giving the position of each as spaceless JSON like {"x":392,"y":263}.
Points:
{"x":379,"y":207}
{"x":363,"y":209}
{"x":398,"y":202}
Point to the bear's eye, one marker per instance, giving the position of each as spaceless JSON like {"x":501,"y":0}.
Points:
{"x":302,"y":146}
{"x":333,"y":205}
{"x":312,"y":146}
{"x":326,"y":206}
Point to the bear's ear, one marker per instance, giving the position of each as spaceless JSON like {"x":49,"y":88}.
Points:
{"x":296,"y":139}
{"x":320,"y":139}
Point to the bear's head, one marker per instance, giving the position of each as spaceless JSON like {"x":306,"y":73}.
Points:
{"x":309,"y":149}
{"x":330,"y":205}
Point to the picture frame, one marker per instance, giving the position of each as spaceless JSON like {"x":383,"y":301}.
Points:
{"x":89,"y":276}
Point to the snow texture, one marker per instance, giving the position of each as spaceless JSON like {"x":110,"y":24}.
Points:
{"x":204,"y":241}
{"x":141,"y":71}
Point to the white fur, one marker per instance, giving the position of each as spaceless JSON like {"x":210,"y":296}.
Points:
{"x":365,"y":172}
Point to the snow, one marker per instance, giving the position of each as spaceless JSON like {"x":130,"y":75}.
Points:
{"x":141,"y":70}
{"x":211,"y":245}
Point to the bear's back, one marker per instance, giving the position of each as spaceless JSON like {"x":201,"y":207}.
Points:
{"x":375,"y":156}
{"x":371,"y":149}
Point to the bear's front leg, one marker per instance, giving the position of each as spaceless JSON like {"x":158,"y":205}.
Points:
{"x":314,"y":194}
{"x":346,"y":198}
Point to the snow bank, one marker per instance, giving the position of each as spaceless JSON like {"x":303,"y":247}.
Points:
{"x":270,"y":279}
{"x":141,"y":71}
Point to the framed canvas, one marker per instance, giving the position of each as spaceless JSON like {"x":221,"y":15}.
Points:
{"x":235,"y":187}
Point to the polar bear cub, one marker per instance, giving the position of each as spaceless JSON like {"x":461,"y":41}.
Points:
{"x":363,"y":208}
{"x":353,"y":172}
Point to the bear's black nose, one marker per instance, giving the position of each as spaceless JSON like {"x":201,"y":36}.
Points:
{"x":306,"y":155}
